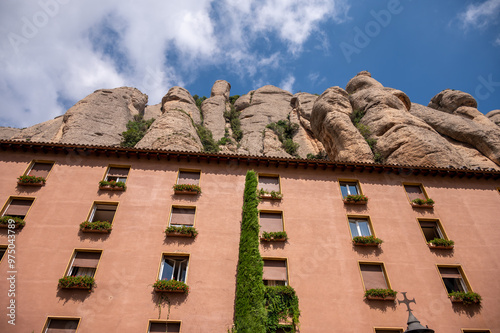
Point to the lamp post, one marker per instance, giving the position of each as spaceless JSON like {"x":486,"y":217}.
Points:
{"x":414,"y":325}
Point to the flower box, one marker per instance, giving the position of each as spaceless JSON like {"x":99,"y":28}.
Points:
{"x":421,"y":203}
{"x":366,"y":241}
{"x":358,"y":199}
{"x":273,"y":195}
{"x":274,"y":236}
{"x":183,"y":231}
{"x":187,"y":189}
{"x":112,"y":185}
{"x":18,"y":222}
{"x":30,"y":181}
{"x":76,"y":282}
{"x":440,"y":247}
{"x":381,"y":294}
{"x":102,"y":227}
{"x":467,"y":298}
{"x":170,"y":286}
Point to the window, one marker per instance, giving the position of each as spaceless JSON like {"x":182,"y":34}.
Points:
{"x":360,"y":226}
{"x":415,"y":192}
{"x":374,"y":276}
{"x":18,"y":207}
{"x":61,"y":325}
{"x":189,"y":177}
{"x":271,"y":221}
{"x":103,"y":211}
{"x":174,"y":268}
{"x":164,"y":327}
{"x":182,"y":216}
{"x":84,"y":263}
{"x":269,"y":183}
{"x":431,"y":229}
{"x":349,"y":188}
{"x":3,"y":250}
{"x":476,"y":331}
{"x":118,"y":174}
{"x":39,"y":169}
{"x":388,"y":330}
{"x":275,"y":272}
{"x":453,"y":278}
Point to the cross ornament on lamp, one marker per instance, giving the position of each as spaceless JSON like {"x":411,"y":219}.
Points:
{"x":414,"y":325}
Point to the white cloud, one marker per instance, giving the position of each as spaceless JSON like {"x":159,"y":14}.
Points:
{"x":61,"y":50}
{"x":497,"y":41}
{"x":287,"y":83}
{"x":480,"y":15}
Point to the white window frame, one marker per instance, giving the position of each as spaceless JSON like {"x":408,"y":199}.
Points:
{"x":357,"y":220}
{"x":345,"y":183}
{"x":177,"y":266}
{"x":118,"y":179}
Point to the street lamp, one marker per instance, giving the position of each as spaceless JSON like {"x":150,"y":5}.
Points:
{"x":414,"y":325}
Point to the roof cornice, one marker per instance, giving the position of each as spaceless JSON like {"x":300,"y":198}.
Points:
{"x":283,"y":162}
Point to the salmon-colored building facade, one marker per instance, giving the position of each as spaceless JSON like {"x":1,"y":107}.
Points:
{"x":328,"y":272}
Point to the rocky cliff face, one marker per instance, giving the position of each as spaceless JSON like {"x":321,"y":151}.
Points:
{"x":366,"y":122}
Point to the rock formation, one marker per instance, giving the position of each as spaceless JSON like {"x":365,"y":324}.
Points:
{"x":366,"y":122}
{"x":331,"y":124}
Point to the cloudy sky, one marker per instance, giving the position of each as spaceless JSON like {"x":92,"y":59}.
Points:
{"x":55,"y":52}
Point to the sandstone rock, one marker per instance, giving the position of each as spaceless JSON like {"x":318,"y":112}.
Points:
{"x":307,"y":143}
{"x":401,"y":137}
{"x":494,"y":116}
{"x":474,"y":159}
{"x":173,"y":130}
{"x":303,"y":103}
{"x":221,"y":88}
{"x":101,"y":117}
{"x":244,"y":101}
{"x":48,"y":131}
{"x":180,"y":98}
{"x":332,"y":125}
{"x":449,"y":100}
{"x":214,"y":107}
{"x":152,"y":111}
{"x":266,"y":105}
{"x":271,"y":145}
{"x":464,"y":125}
{"x":362,"y":80}
{"x":6,"y":133}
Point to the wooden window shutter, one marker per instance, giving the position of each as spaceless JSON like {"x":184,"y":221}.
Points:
{"x":118,"y":172}
{"x":87,"y":259}
{"x":62,"y":326}
{"x":414,"y":192}
{"x":18,"y":207}
{"x":40,"y":170}
{"x":274,"y":270}
{"x":187,"y":177}
{"x":269,"y":183}
{"x":271,"y":222}
{"x":373,"y":276}
{"x":450,"y":272}
{"x":182,"y":216}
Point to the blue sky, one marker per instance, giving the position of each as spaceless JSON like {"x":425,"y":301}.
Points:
{"x":55,"y":52}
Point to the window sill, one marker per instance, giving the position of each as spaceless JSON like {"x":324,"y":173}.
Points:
{"x":351,"y":202}
{"x":6,"y":226}
{"x":39,"y":184}
{"x":379,"y":298}
{"x":178,"y":234}
{"x":366,"y":244}
{"x":458,"y":300}
{"x":187,"y":192}
{"x":77,"y":287}
{"x":269,"y":197}
{"x":97,"y":231}
{"x":414,"y":205}
{"x":274,"y":239}
{"x":440,"y":247}
{"x":169,"y":291}
{"x":111,"y":188}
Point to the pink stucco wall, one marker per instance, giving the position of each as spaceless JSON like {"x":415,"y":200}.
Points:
{"x":323,"y":264}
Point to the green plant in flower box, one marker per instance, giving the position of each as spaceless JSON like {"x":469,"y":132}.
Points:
{"x":170,"y":285}
{"x":442,"y":242}
{"x":273,"y":194}
{"x":19,"y":222}
{"x":356,"y":198}
{"x":383,"y":293}
{"x":367,"y":240}
{"x":421,"y":202}
{"x":76,"y":282}
{"x":273,"y":235}
{"x":97,"y":225}
{"x":112,"y":183}
{"x":467,"y":298}
{"x":31,"y":179}
{"x":182,"y":230}
{"x":187,"y":188}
